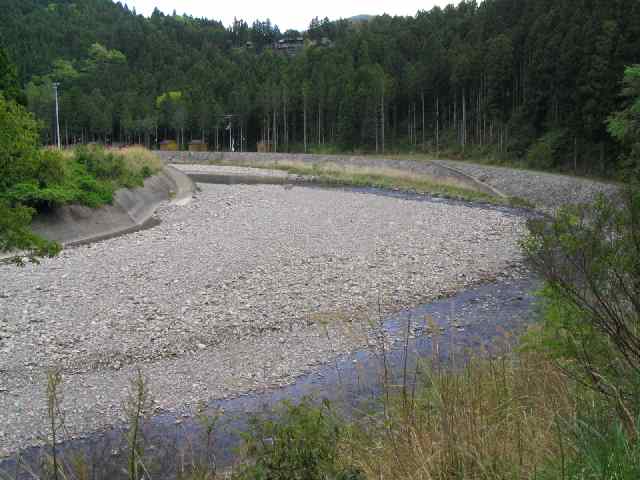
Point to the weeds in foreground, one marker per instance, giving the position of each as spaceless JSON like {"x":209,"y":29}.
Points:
{"x":299,"y":441}
{"x":492,"y":419}
{"x":137,"y":406}
{"x":55,"y":415}
{"x":513,"y":416}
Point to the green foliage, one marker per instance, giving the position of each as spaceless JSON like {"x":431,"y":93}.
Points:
{"x":18,"y":148}
{"x":597,"y":446}
{"x":589,"y":257}
{"x":33,"y":180}
{"x":20,"y":160}
{"x":624,"y":125}
{"x":543,"y":154}
{"x":495,"y":74}
{"x":15,"y":235}
{"x":603,"y":450}
{"x":9,"y":86}
{"x":540,"y":155}
{"x":300,"y":443}
{"x":88,"y":176}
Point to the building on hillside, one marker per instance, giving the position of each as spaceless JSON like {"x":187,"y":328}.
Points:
{"x":289,"y":46}
{"x":323,"y":42}
{"x":197,"y":146}
{"x":169,"y":146}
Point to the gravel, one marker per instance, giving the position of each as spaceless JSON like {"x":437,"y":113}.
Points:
{"x":231,"y":171}
{"x":245,"y":288}
{"x":547,"y":191}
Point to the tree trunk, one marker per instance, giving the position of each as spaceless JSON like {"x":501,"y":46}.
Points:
{"x":437,"y":127}
{"x":275,"y":132}
{"x":304,"y":126}
{"x":423,"y":123}
{"x":383,"y":117}
{"x":464,"y":120}
{"x":376,"y":129}
{"x":319,"y":123}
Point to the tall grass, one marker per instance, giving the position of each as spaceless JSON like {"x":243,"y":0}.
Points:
{"x":492,"y":419}
{"x":140,"y":160}
{"x":514,"y":416}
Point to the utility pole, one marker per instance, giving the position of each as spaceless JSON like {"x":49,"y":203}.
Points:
{"x":55,"y":90}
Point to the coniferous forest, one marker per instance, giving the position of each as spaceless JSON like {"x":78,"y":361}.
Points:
{"x":513,"y":79}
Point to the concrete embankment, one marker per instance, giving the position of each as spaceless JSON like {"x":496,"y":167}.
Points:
{"x":131,"y":210}
{"x":546,"y":191}
{"x":439,"y":172}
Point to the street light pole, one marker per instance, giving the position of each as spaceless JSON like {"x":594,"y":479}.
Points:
{"x":55,"y":89}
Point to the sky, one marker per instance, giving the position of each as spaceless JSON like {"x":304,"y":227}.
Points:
{"x":295,"y":14}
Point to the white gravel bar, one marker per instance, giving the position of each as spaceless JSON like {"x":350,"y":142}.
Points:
{"x":245,"y":288}
{"x":547,"y":191}
{"x":231,"y":171}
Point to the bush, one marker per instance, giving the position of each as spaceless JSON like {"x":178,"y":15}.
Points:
{"x":300,"y":443}
{"x":51,"y":168}
{"x":589,"y":257}
{"x":15,"y":234}
{"x":19,"y":154}
{"x":140,"y":160}
{"x":20,"y":161}
{"x":33,"y":180}
{"x":543,"y":154}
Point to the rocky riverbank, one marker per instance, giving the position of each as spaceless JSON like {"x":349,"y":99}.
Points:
{"x":245,"y":288}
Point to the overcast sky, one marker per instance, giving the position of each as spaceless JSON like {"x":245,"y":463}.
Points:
{"x":290,"y":14}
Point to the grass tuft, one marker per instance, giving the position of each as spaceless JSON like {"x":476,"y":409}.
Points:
{"x":493,"y":419}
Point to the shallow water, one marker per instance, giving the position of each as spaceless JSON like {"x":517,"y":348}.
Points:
{"x":479,"y":319}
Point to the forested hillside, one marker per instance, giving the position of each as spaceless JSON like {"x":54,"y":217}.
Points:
{"x":530,"y":79}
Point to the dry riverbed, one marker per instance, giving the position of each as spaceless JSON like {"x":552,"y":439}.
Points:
{"x":245,"y":288}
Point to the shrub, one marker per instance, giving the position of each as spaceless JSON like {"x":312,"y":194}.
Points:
{"x":491,"y":419}
{"x":33,"y":180}
{"x":589,"y":257}
{"x":19,"y":154}
{"x":540,"y":155}
{"x":19,"y":162}
{"x":99,"y":163}
{"x":140,"y":160}
{"x":300,"y":443}
{"x":51,"y":168}
{"x":543,"y":154}
{"x":15,"y":234}
{"x":624,"y":125}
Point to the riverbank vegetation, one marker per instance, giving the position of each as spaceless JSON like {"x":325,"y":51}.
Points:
{"x":387,"y":178}
{"x":559,"y":403}
{"x":35,"y":181}
{"x":530,"y":81}
{"x":563,"y":403}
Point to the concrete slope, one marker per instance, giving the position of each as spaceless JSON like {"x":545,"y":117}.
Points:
{"x":130,"y":211}
{"x":441,"y":172}
{"x":546,"y":191}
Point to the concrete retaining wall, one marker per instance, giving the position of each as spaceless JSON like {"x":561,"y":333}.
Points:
{"x":441,"y":172}
{"x":130,"y":211}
